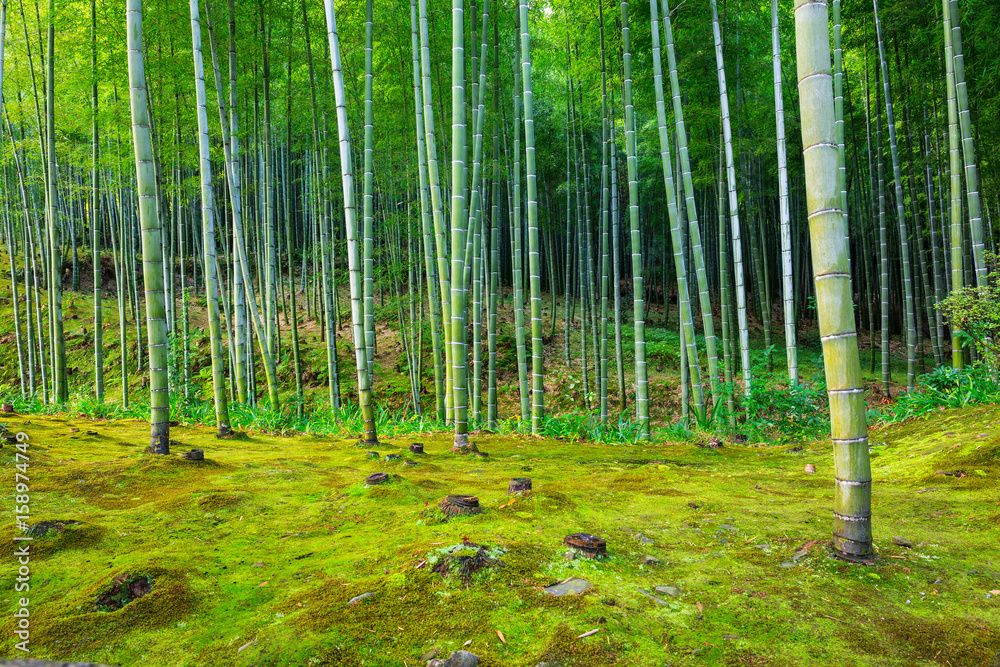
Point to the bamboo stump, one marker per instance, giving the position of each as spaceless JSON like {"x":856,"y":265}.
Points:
{"x":460,"y":505}
{"x":587,"y":545}
{"x":7,"y":408}
{"x":194,"y":455}
{"x":376,"y":478}
{"x":417,"y":448}
{"x":519,"y":485}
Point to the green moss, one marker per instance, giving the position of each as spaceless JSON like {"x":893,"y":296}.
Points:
{"x":565,"y":649}
{"x":954,"y":641}
{"x":264,"y":546}
{"x":213,"y":502}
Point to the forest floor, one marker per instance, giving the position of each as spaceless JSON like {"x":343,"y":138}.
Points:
{"x":273,"y":551}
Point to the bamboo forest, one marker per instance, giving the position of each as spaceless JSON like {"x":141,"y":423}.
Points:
{"x":509,"y":333}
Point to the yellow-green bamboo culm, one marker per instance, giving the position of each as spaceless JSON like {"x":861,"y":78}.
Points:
{"x":852,"y":533}
{"x":534,"y":267}
{"x":208,"y":227}
{"x":152,"y":249}
{"x":351,"y":224}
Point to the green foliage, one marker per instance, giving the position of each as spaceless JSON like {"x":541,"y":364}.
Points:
{"x":797,"y":411}
{"x":944,"y":388}
{"x":975,"y":312}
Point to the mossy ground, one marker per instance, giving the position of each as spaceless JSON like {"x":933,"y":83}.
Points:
{"x":262,"y":545}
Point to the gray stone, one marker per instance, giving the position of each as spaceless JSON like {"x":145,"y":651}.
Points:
{"x":902,"y":542}
{"x":788,"y":563}
{"x":726,"y":526}
{"x":669,"y":590}
{"x":574,"y":586}
{"x":650,"y":560}
{"x":652,"y":597}
{"x":430,"y":655}
{"x":361,"y":597}
{"x":643,"y":539}
{"x":457,"y":659}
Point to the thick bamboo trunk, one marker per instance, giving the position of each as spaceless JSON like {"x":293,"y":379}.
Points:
{"x":852,"y":534}
{"x":152,"y":258}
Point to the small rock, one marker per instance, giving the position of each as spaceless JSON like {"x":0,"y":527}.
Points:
{"x":410,"y":463}
{"x":457,"y":659}
{"x":573,"y":586}
{"x":669,"y":590}
{"x":730,"y":638}
{"x":569,"y":555}
{"x":811,"y":468}
{"x":258,"y":564}
{"x":788,"y":563}
{"x":793,"y":450}
{"x":939,"y":580}
{"x":726,"y":526}
{"x":643,"y":539}
{"x":652,"y":597}
{"x":430,"y":655}
{"x":799,"y":555}
{"x":902,"y":542}
{"x":650,"y":560}
{"x":361,"y":597}
{"x":194,"y":455}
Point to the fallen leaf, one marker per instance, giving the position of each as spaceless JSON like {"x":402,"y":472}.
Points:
{"x":589,"y":633}
{"x":995,"y":592}
{"x":263,"y":583}
{"x":467,"y":642}
{"x":500,"y":635}
{"x":701,"y":607}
